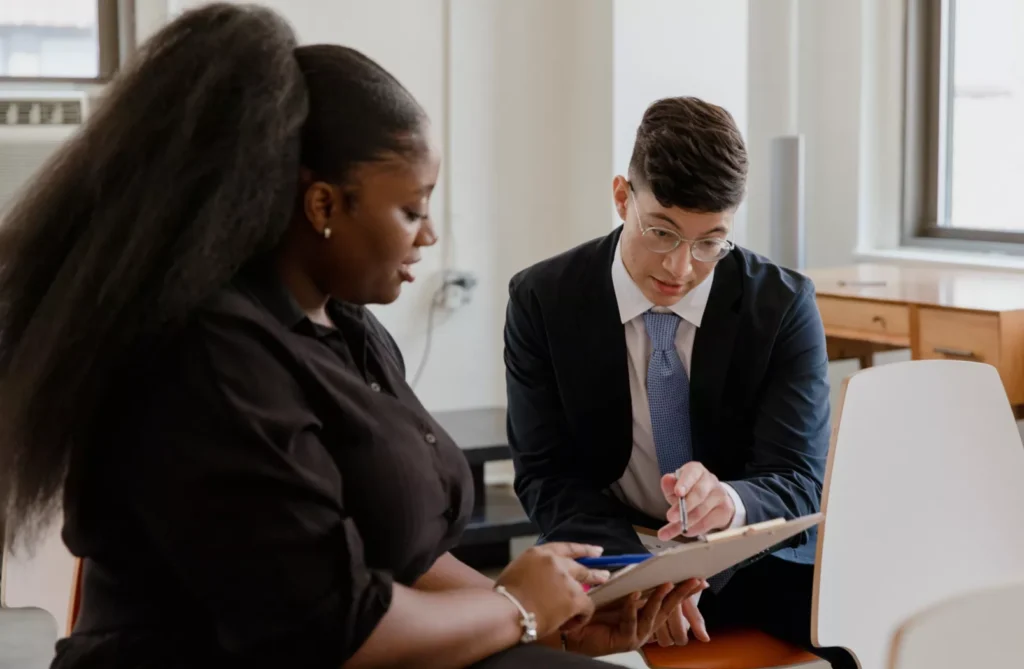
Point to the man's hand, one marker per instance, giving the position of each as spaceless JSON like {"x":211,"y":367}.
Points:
{"x":708,"y":504}
{"x":675,"y":631}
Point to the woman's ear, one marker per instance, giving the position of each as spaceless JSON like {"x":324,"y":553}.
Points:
{"x":620,"y":195}
{"x":320,"y":204}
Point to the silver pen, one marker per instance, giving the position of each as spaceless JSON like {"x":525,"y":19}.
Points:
{"x":683,"y":520}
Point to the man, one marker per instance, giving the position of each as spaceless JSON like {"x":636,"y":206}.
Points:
{"x":664,"y":347}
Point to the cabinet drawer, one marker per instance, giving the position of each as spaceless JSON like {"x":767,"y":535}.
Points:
{"x":959,"y":335}
{"x":866,"y":319}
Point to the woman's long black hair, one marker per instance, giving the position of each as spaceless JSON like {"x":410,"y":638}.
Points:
{"x":187,"y":169}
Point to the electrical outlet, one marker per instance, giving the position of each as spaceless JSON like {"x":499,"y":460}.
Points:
{"x":457,"y":289}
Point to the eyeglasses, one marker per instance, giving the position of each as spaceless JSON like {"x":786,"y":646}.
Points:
{"x":663,"y":240}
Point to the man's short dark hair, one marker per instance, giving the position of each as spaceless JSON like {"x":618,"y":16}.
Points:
{"x":691,"y":155}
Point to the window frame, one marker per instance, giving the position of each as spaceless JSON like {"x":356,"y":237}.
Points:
{"x":116,"y":38}
{"x":927,"y":135}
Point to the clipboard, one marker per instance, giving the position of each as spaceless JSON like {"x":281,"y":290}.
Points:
{"x":712,"y":554}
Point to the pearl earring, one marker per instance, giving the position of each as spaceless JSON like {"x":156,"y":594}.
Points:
{"x":327,"y":233}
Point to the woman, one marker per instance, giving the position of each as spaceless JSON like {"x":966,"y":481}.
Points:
{"x":187,"y":365}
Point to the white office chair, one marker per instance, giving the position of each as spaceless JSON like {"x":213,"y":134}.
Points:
{"x":980,"y":629}
{"x":923,"y":501}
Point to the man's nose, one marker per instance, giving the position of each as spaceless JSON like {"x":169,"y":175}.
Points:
{"x":679,"y":262}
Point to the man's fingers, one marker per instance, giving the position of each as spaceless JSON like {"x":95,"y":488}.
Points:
{"x":671,"y":606}
{"x":709,"y":523}
{"x":700,"y":491}
{"x":679,"y":626}
{"x":670,"y":531}
{"x":701,"y":511}
{"x":675,"y":598}
{"x":668,"y":488}
{"x":663,"y":636}
{"x":696,"y":620}
{"x":689,"y":474}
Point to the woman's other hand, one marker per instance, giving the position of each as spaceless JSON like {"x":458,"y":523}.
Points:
{"x":548,"y":581}
{"x":631,"y":623}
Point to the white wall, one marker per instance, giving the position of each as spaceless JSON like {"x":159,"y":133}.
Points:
{"x":527,"y":85}
{"x":530,"y":163}
{"x":772,"y":103}
{"x":830,"y":70}
{"x":668,"y":48}
{"x":540,"y":101}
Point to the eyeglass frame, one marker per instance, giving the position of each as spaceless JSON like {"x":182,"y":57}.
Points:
{"x":729,"y":244}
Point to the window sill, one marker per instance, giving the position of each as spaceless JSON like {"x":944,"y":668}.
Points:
{"x":909,"y":255}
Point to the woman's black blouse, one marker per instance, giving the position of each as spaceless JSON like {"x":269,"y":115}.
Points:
{"x":257,"y":491}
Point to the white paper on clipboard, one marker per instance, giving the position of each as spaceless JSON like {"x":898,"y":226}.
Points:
{"x":701,"y":559}
{"x":652,"y":543}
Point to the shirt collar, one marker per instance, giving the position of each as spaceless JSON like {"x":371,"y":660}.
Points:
{"x":261,"y":282}
{"x":632,"y":303}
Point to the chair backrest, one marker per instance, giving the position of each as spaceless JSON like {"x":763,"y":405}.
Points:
{"x":923,"y":500}
{"x":981,"y":629}
{"x":44,"y":576}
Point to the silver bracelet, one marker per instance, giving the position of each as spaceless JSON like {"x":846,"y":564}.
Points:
{"x":528,"y":620}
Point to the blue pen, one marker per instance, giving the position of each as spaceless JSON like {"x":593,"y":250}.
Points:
{"x":614,"y":560}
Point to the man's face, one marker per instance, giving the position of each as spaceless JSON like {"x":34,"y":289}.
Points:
{"x":665,"y":274}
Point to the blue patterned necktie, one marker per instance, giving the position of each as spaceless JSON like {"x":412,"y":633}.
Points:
{"x":668,"y":394}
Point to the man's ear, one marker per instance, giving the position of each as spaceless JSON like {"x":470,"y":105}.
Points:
{"x":620,"y":195}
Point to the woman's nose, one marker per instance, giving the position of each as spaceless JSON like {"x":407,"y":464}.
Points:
{"x":427,"y":236}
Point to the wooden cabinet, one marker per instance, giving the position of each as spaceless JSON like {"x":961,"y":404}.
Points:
{"x":936,"y":313}
{"x":958,"y":335}
{"x":866,"y":320}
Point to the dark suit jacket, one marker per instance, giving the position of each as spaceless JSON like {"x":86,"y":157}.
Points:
{"x":759,"y":395}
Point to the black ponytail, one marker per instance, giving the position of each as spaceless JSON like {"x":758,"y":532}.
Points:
{"x":186,"y":170}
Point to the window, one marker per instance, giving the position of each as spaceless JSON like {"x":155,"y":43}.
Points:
{"x":964,"y":152}
{"x":69,"y":40}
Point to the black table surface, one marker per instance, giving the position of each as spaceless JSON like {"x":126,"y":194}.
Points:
{"x":498,"y":516}
{"x":480,"y":433}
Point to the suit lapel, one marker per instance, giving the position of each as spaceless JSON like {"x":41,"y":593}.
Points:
{"x":713,"y":348}
{"x":601,"y":360}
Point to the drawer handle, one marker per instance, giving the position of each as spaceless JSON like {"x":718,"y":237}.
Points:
{"x":954,"y":352}
{"x":879,"y":320}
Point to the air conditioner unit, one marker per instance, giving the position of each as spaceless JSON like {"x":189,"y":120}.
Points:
{"x":32,"y":125}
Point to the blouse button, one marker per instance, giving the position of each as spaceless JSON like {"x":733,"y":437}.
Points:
{"x":375,"y":387}
{"x":430,"y":438}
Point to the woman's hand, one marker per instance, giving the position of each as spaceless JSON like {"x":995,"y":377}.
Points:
{"x":547,"y":581}
{"x":631,"y":623}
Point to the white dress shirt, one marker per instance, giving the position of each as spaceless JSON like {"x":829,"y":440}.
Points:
{"x":640,"y":485}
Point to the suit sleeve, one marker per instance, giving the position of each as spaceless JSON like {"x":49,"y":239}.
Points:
{"x":786,"y":470}
{"x":556,"y":493}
